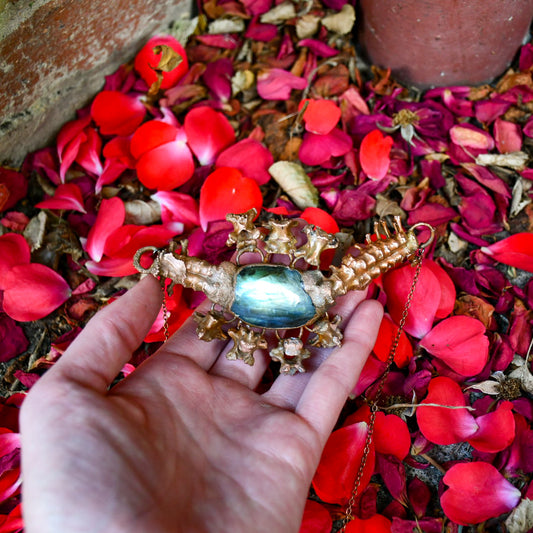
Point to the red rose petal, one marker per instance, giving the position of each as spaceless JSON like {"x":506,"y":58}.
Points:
{"x":14,"y":250}
{"x":13,"y":187}
{"x":387,"y":333}
{"x":320,"y":116}
{"x":460,"y":342}
{"x":70,"y":131}
{"x":316,"y":518}
{"x":66,"y":196}
{"x":447,"y":289}
{"x":496,"y":430}
{"x":477,"y":492}
{"x":33,"y":291}
{"x":110,"y":217}
{"x":147,"y":60}
{"x":89,"y":152}
{"x":376,"y":524}
{"x":338,"y":467}
{"x":249,"y":156}
{"x":516,"y":250}
{"x":166,"y":167}
{"x":178,"y":207}
{"x":441,"y":425}
{"x":150,"y":135}
{"x":226,"y":191}
{"x":508,"y":136}
{"x":374,"y":154}
{"x":208,"y":133}
{"x":397,"y":284}
{"x":116,"y":113}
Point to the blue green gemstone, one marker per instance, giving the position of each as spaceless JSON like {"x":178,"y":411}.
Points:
{"x":272,"y":296}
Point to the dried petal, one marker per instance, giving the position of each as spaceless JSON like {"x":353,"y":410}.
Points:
{"x":468,"y":136}
{"x":477,"y":492}
{"x":508,"y":136}
{"x":33,"y":291}
{"x":277,"y":84}
{"x":293,"y":179}
{"x":341,"y":22}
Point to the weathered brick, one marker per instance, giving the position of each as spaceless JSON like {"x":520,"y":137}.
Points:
{"x":54,"y":55}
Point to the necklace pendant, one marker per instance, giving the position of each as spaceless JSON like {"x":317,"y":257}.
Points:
{"x":279,"y":296}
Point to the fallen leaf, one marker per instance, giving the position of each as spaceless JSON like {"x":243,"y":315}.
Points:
{"x":293,"y":179}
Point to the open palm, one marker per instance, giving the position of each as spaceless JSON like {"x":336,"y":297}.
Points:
{"x":183,"y":443}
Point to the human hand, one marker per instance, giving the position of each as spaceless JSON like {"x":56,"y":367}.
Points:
{"x":183,"y":444}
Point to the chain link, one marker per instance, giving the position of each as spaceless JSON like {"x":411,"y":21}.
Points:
{"x":166,"y":314}
{"x":374,"y":403}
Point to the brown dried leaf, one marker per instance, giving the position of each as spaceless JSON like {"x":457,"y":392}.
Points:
{"x":521,"y":518}
{"x":475,"y":307}
{"x":334,"y":83}
{"x":170,"y":59}
{"x":307,"y":26}
{"x":35,"y":230}
{"x":515,"y":160}
{"x":142,"y":213}
{"x":386,"y":207}
{"x":293,"y":179}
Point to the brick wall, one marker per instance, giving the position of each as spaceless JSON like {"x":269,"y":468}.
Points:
{"x":54,"y":55}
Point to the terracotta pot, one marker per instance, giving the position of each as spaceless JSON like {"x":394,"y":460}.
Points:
{"x":443,"y":42}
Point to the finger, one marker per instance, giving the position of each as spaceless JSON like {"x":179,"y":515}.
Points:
{"x":286,"y":391}
{"x":105,"y":345}
{"x":332,"y":382}
{"x":185,"y":342}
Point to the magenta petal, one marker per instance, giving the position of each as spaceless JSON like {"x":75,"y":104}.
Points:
{"x":228,"y":41}
{"x":318,"y":47}
{"x":14,"y":250}
{"x":249,"y":156}
{"x":460,"y":342}
{"x":12,"y":338}
{"x":208,"y":133}
{"x":277,"y":84}
{"x":69,"y":154}
{"x":15,"y":187}
{"x":66,"y":196}
{"x":33,"y":291}
{"x":89,"y":152}
{"x":318,"y":149}
{"x":113,"y":168}
{"x":217,"y":77}
{"x":261,"y":32}
{"x":110,"y":217}
{"x":69,"y":132}
{"x":477,"y":492}
{"x":177,"y":207}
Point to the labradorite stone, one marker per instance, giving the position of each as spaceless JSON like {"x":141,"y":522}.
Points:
{"x":272,"y":296}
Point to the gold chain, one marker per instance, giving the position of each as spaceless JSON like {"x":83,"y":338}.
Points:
{"x":374,"y":403}
{"x":165,"y":308}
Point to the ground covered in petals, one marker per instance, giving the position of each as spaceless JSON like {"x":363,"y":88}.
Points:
{"x":266,"y":105}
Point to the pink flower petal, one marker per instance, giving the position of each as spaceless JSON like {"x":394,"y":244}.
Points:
{"x":508,"y":136}
{"x":335,"y":476}
{"x":116,"y":113}
{"x":166,"y":167}
{"x":468,"y":136}
{"x":33,"y":291}
{"x":477,"y":492}
{"x":147,"y":60}
{"x":374,"y":154}
{"x":496,"y":430}
{"x":110,"y":217}
{"x":217,"y":77}
{"x":208,"y":133}
{"x":318,"y":47}
{"x":460,"y":342}
{"x":70,"y":131}
{"x":318,"y":149}
{"x":226,"y":191}
{"x":425,"y":302}
{"x":249,"y":156}
{"x":14,"y":250}
{"x":516,"y":250}
{"x":89,"y":152}
{"x":320,"y":116}
{"x":178,"y":207}
{"x":70,"y":153}
{"x":442,"y":425}
{"x":66,"y":196}
{"x":113,"y":168}
{"x":277,"y":84}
